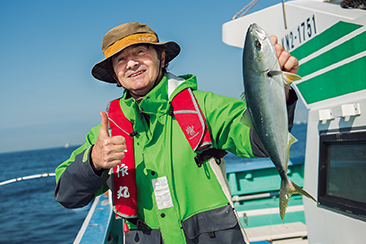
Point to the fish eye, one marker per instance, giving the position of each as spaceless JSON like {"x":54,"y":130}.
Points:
{"x":258,"y":45}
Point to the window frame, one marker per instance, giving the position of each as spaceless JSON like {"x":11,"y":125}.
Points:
{"x":339,"y":204}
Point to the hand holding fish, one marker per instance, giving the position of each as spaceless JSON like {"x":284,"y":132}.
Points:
{"x":287,"y":62}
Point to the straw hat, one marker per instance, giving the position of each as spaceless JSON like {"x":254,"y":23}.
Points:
{"x":124,"y":36}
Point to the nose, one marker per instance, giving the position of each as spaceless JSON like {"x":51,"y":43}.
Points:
{"x":131,"y":63}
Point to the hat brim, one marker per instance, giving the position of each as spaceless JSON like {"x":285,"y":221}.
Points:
{"x":102,"y":70}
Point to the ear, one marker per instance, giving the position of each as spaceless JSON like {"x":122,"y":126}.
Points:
{"x":116,"y":79}
{"x":162,"y":60}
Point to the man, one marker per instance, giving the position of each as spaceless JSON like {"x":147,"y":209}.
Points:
{"x":177,"y":191}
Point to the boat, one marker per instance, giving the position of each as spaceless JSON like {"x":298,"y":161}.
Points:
{"x":328,"y":38}
{"x":330,"y":42}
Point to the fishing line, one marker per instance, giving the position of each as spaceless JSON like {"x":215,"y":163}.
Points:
{"x":245,"y":9}
{"x":27,"y":178}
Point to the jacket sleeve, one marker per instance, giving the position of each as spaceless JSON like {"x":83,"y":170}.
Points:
{"x":228,"y":133}
{"x":76,"y":181}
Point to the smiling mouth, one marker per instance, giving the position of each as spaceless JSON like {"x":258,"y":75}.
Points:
{"x":136,"y":74}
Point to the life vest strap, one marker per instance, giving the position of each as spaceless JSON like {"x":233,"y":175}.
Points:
{"x":123,"y":175}
{"x":191,"y":120}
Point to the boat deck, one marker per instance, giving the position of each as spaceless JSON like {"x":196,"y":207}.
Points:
{"x":294,"y":233}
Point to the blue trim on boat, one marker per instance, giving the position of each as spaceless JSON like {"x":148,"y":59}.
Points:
{"x":96,"y":226}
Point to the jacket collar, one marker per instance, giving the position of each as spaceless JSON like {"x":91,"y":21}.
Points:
{"x":157,"y":100}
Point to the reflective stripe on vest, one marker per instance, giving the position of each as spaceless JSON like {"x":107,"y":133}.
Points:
{"x":193,"y":124}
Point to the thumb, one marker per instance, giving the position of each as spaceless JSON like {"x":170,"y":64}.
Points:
{"x":104,"y":125}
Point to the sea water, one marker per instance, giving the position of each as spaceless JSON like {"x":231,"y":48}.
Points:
{"x":28,"y":211}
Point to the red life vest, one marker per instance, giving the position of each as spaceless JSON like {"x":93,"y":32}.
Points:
{"x":193,"y":124}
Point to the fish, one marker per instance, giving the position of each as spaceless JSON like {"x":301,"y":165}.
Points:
{"x":266,"y":112}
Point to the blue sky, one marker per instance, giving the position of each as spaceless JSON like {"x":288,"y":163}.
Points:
{"x":48,"y":95}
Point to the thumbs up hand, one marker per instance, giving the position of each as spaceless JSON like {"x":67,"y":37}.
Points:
{"x":107,"y":151}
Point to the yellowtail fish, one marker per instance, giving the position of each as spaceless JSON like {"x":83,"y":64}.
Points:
{"x":266,"y":105}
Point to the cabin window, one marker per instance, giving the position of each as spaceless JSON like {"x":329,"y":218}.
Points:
{"x":342,"y":172}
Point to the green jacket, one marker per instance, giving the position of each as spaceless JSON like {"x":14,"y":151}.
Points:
{"x":200,"y":200}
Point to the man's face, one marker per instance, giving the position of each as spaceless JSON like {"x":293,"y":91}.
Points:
{"x":137,"y":68}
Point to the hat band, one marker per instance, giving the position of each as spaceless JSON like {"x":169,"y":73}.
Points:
{"x":132,"y":39}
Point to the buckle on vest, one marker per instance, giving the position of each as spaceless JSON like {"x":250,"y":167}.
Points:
{"x":140,"y":225}
{"x":199,"y":160}
{"x":133,"y":133}
{"x":209,"y":153}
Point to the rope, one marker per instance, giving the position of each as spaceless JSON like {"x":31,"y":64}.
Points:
{"x":284,"y":14}
{"x":245,"y":9}
{"x":26,"y":178}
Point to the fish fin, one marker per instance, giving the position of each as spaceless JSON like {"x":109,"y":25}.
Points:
{"x":274,"y":72}
{"x":287,"y":85}
{"x":289,"y":78}
{"x":291,"y":140}
{"x":301,"y":191}
{"x":246,"y":119}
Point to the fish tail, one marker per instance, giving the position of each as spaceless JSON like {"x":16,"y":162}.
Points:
{"x":285,"y":195}
{"x":287,"y":189}
{"x":301,"y":191}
